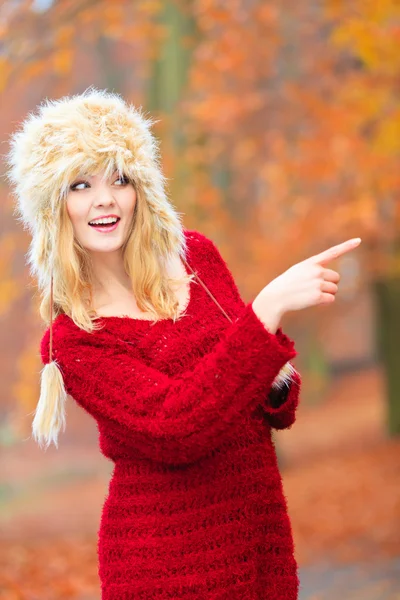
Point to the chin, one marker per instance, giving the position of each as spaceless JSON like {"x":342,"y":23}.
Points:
{"x":104,"y":248}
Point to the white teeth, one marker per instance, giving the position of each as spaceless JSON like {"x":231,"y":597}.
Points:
{"x":109,"y":220}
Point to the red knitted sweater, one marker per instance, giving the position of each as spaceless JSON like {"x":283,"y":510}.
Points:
{"x":195,"y":507}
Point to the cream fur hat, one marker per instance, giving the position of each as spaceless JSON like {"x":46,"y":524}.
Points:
{"x":85,"y":133}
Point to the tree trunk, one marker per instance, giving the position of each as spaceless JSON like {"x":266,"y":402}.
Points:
{"x":167,"y":84}
{"x":388,"y":338}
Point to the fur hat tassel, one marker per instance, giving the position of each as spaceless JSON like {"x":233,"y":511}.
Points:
{"x":50,"y":410}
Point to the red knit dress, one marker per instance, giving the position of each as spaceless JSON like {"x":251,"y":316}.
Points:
{"x":195,"y":507}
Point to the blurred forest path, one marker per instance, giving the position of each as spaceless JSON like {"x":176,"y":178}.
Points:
{"x":340,"y":485}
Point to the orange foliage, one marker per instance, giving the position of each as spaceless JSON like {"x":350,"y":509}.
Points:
{"x":297,"y":104}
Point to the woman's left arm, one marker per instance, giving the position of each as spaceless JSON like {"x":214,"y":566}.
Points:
{"x":282,"y":400}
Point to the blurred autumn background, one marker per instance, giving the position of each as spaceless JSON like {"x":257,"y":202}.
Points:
{"x":280,"y":135}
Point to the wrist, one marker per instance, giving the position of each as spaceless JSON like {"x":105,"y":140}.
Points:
{"x":268,"y":313}
{"x":274,"y":299}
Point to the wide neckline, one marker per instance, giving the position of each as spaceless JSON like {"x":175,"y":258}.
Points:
{"x":119,"y":318}
{"x":109,"y":318}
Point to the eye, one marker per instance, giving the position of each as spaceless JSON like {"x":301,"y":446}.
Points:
{"x":124,"y":180}
{"x":75,"y":185}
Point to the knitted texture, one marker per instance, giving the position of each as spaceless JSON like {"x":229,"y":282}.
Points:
{"x":195,"y":506}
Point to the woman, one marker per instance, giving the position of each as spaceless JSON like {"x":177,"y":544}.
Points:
{"x":152,"y":338}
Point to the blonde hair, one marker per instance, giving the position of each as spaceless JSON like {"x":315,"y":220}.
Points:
{"x":96,"y":131}
{"x":73,"y":273}
{"x":72,"y":294}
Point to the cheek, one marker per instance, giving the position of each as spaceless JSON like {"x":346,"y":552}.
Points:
{"x":76,"y":212}
{"x":129,"y":200}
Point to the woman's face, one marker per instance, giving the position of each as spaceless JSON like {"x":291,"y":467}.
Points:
{"x":89,"y":198}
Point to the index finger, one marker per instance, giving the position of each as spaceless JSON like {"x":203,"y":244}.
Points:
{"x":335,"y":251}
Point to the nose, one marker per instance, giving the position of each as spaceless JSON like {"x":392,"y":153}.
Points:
{"x":104,"y":196}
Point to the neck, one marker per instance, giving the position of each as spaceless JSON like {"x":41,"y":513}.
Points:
{"x":110,"y":277}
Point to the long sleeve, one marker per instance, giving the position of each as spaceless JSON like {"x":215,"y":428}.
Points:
{"x":279,"y":403}
{"x":174,"y":420}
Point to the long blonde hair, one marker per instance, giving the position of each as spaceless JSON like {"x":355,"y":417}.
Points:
{"x":95,"y":131}
{"x":72,"y":294}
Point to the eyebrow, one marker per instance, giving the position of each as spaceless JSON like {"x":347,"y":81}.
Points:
{"x":87,"y":175}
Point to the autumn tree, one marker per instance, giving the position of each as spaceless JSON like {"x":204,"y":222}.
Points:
{"x":280,"y":121}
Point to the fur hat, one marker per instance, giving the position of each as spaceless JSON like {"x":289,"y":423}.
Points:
{"x":83,"y":134}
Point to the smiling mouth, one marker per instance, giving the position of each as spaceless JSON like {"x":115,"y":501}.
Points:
{"x":106,"y":227}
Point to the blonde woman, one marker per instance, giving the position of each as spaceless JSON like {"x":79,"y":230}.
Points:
{"x":147,"y":332}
